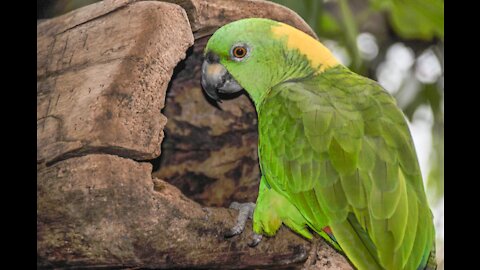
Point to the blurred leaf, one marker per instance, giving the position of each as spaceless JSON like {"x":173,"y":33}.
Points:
{"x":310,"y":10}
{"x":350,"y":31}
{"x":315,"y":11}
{"x":328,"y":26}
{"x":381,"y":4}
{"x":418,"y":19}
{"x":414,"y":19}
{"x":323,"y":23}
{"x":299,"y":7}
{"x":429,"y":94}
{"x":435,"y":180}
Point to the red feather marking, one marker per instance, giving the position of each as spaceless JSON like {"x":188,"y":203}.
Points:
{"x":327,"y":230}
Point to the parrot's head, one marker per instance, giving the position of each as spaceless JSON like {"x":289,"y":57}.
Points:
{"x":256,"y":54}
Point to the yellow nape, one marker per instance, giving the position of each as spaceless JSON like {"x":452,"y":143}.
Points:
{"x":319,"y":56}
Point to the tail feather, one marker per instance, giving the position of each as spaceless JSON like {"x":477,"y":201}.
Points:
{"x":357,"y":247}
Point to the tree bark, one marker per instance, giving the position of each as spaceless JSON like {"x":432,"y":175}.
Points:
{"x":102,"y":210}
{"x":102,"y":78}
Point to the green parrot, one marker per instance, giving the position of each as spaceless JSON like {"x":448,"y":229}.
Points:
{"x":335,"y":151}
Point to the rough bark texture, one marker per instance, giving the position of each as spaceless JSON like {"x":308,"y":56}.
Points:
{"x":102,"y":76}
{"x":103,"y":210}
{"x":101,"y":81}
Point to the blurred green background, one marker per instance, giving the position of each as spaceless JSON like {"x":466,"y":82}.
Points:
{"x":399,"y":43}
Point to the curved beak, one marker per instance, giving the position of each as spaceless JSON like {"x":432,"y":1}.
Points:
{"x":216,"y":79}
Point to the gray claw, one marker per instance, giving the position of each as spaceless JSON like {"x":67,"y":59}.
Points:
{"x":255,"y":240}
{"x":234,"y":231}
{"x":245,"y":211}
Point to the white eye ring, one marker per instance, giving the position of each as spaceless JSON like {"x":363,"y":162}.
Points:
{"x":239,"y":52}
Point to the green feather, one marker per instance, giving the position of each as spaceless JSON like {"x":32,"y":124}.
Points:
{"x":351,"y":242}
{"x":342,"y":161}
{"x":354,"y":190}
{"x":401,"y":254}
{"x":385,"y":175}
{"x":366,"y":158}
{"x":316,"y":123}
{"x":328,"y":175}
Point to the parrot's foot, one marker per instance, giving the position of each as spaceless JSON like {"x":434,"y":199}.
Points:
{"x":255,"y":240}
{"x":245,"y":211}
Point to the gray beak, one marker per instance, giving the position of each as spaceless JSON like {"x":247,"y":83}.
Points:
{"x":216,"y":79}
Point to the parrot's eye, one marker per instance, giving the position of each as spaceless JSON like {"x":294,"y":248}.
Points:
{"x":239,"y":52}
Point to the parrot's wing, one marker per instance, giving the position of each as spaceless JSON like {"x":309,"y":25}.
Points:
{"x":339,"y":148}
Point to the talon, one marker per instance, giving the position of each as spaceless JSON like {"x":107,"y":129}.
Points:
{"x":245,"y":211}
{"x":233,"y":231}
{"x":256,"y":238}
{"x":235,"y":205}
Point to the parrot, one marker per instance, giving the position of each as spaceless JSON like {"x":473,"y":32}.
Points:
{"x":335,"y":151}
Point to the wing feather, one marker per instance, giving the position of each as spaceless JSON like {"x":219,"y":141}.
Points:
{"x":337,"y":147}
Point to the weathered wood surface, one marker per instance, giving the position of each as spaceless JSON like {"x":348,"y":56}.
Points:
{"x":102,"y":74}
{"x":103,"y":210}
{"x":101,"y":81}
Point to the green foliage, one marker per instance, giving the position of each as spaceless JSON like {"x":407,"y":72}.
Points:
{"x":312,"y":12}
{"x":435,"y":182}
{"x":301,"y":7}
{"x":328,"y":26}
{"x":429,"y":94}
{"x":411,"y":19}
{"x":351,"y":33}
{"x":414,"y":19}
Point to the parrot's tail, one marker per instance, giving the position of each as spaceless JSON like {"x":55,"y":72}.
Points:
{"x":360,"y":249}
